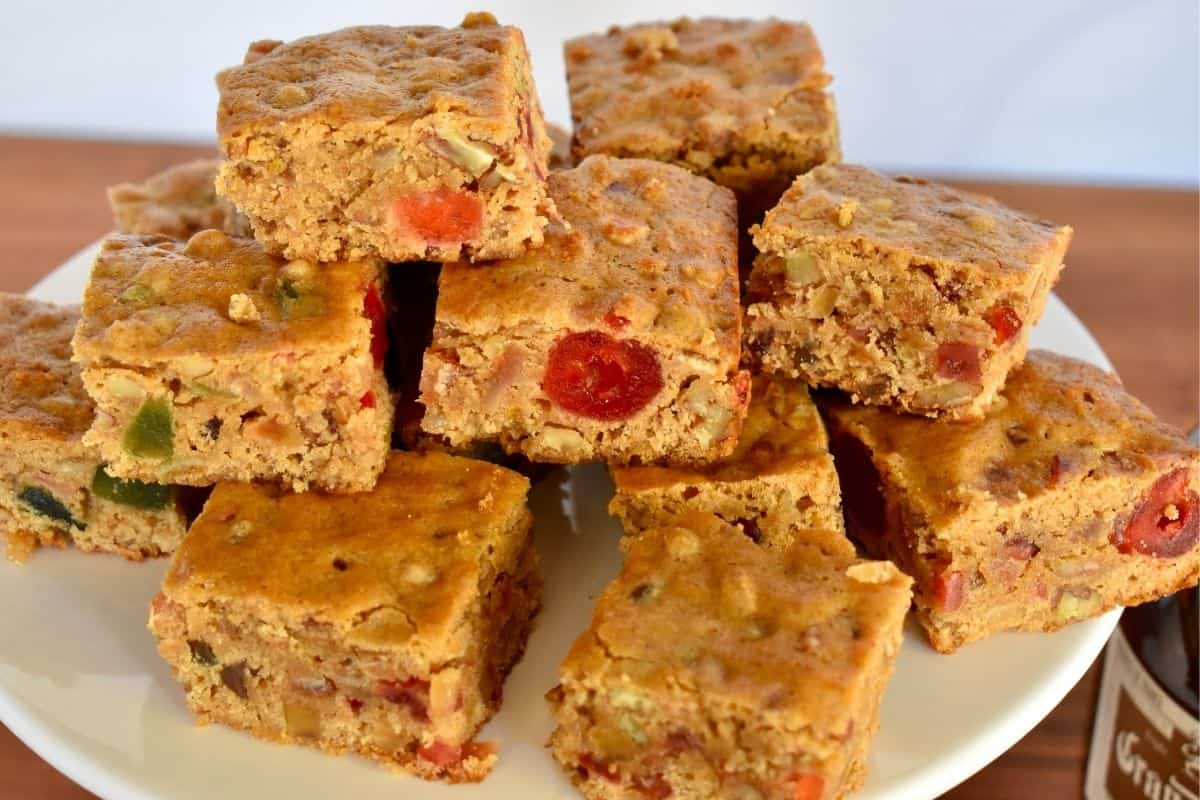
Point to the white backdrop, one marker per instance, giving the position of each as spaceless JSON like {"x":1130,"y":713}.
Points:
{"x":1103,"y":90}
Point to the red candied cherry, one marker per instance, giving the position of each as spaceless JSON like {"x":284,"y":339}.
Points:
{"x":958,"y":361}
{"x":614,"y":320}
{"x":653,"y":786}
{"x":948,"y":590}
{"x":1020,"y":548}
{"x":412,"y":693}
{"x":374,"y":311}
{"x":367,"y":400}
{"x":441,"y":753}
{"x":440,"y":216}
{"x":1005,"y":322}
{"x":596,"y":766}
{"x":1166,"y":523}
{"x":807,"y":786}
{"x":594,"y":375}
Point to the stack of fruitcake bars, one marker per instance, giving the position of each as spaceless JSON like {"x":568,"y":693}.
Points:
{"x":300,"y":366}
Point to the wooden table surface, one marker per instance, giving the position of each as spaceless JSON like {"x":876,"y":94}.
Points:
{"x":1132,"y":277}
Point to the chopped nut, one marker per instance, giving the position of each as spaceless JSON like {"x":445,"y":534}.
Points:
{"x":417,"y":573}
{"x":300,"y":272}
{"x":624,"y":697}
{"x":1076,"y":604}
{"x":633,"y":730}
{"x":240,"y":530}
{"x":875,"y":294}
{"x":192,"y":367}
{"x":800,"y":269}
{"x":683,"y":544}
{"x":845,"y":212}
{"x":981,"y":223}
{"x":270,"y":429}
{"x":137,"y":294}
{"x":944,"y":395}
{"x":208,"y":244}
{"x":651,"y":43}
{"x":475,"y":157}
{"x":563,"y":440}
{"x":872,"y":571}
{"x":242,"y":308}
{"x":302,"y":722}
{"x":882,"y":204}
{"x":290,"y":96}
{"x":123,"y":388}
{"x":479,"y":19}
{"x":739,"y":594}
{"x":822,"y":302}
{"x":624,"y":231}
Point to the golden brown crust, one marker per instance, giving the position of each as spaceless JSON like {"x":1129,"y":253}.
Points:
{"x":845,"y":204}
{"x":177,"y":202}
{"x":151,"y":298}
{"x":40,"y":390}
{"x":666,"y":242}
{"x":741,"y":101}
{"x":1053,"y":408}
{"x":395,"y":567}
{"x":375,"y":72}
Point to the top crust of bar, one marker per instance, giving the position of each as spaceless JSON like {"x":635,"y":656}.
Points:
{"x":782,"y":435}
{"x":388,"y":74}
{"x":1058,"y":420}
{"x":178,"y":202}
{"x":644,"y":241}
{"x":692,"y":603}
{"x":844,"y":206}
{"x":41,"y":393}
{"x":399,"y":566}
{"x":716,"y":86}
{"x":151,"y":298}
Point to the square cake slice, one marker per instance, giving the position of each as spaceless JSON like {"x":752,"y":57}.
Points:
{"x":779,"y":480}
{"x":54,"y":490}
{"x":177,"y":202}
{"x":381,"y":623}
{"x":403,"y":143}
{"x":212,"y":360}
{"x":901,"y":292}
{"x":742,"y":102}
{"x":714,"y":668}
{"x":619,"y":339}
{"x":1067,"y":499}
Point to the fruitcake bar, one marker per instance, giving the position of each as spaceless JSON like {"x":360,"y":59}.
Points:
{"x":618,"y":339}
{"x":779,"y":480}
{"x":406,"y":144}
{"x":212,"y":360}
{"x":1067,"y":499}
{"x":177,"y":202}
{"x":741,"y":102}
{"x":898,"y":291}
{"x":53,"y":489}
{"x":714,"y":668}
{"x":381,"y":623}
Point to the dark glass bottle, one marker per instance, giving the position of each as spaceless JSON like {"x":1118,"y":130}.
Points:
{"x":1146,"y":740}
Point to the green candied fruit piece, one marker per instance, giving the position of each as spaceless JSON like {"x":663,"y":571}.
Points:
{"x":151,"y":434}
{"x":48,"y":505}
{"x":148,"y":496}
{"x":297,"y":300}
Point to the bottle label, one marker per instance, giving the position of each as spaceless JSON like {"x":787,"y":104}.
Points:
{"x":1145,"y":746}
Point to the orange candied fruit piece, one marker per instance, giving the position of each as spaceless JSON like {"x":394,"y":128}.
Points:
{"x":439,"y":216}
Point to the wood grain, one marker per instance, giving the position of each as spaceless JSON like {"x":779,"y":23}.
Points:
{"x":1131,"y":276}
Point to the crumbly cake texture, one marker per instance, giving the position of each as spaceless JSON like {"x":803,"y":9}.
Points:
{"x":899,"y":291}
{"x":619,"y":339}
{"x":1067,"y":499}
{"x":404,"y":143}
{"x":716,"y":668}
{"x":54,"y":491}
{"x":212,"y":360}
{"x":778,"y":481}
{"x":381,"y":623}
{"x":177,"y":202}
{"x":560,"y":152}
{"x":741,"y":102}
